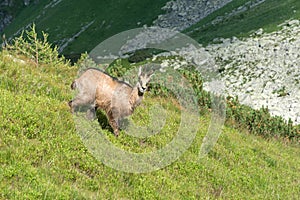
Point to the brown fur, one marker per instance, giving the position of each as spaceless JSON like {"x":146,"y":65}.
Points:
{"x":117,"y":98}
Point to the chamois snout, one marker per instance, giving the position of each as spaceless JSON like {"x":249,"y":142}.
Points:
{"x":142,"y":88}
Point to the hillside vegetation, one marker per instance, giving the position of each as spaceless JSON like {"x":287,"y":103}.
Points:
{"x":42,"y":156}
{"x":89,"y":22}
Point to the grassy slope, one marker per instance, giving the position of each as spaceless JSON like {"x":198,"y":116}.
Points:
{"x":110,"y":17}
{"x":42,"y":156}
{"x":267,"y":15}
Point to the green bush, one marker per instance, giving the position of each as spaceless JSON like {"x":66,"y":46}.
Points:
{"x":139,"y":56}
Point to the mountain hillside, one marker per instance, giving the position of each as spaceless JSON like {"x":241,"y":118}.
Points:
{"x":78,"y":26}
{"x":43,"y":149}
{"x":241,"y":18}
{"x":90,"y":22}
{"x":81,"y":25}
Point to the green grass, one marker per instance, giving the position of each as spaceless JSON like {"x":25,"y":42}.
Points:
{"x":268,"y":15}
{"x":43,"y":157}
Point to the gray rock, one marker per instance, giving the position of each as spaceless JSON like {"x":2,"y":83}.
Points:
{"x":181,"y":14}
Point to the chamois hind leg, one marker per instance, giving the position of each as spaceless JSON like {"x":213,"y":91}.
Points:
{"x":71,"y":106}
{"x":91,"y":113}
{"x":80,"y":100}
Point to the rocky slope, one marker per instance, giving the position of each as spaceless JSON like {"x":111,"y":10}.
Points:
{"x":181,"y":14}
{"x":263,"y":70}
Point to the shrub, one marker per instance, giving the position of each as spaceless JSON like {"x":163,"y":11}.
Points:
{"x":260,"y":121}
{"x":139,"y":56}
{"x":36,"y":49}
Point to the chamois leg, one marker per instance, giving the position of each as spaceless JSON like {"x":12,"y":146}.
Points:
{"x":114,"y":124}
{"x":91,"y":113}
{"x":79,"y":101}
{"x":71,"y":107}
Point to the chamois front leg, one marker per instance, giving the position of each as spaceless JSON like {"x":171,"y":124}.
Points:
{"x":91,"y":113}
{"x":114,"y":124}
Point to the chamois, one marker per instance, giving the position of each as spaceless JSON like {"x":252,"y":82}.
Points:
{"x":117,"y":98}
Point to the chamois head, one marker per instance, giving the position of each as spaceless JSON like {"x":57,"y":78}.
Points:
{"x":143,"y":80}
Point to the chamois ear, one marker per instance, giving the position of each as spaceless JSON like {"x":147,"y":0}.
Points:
{"x":140,"y":71}
{"x":151,"y":73}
